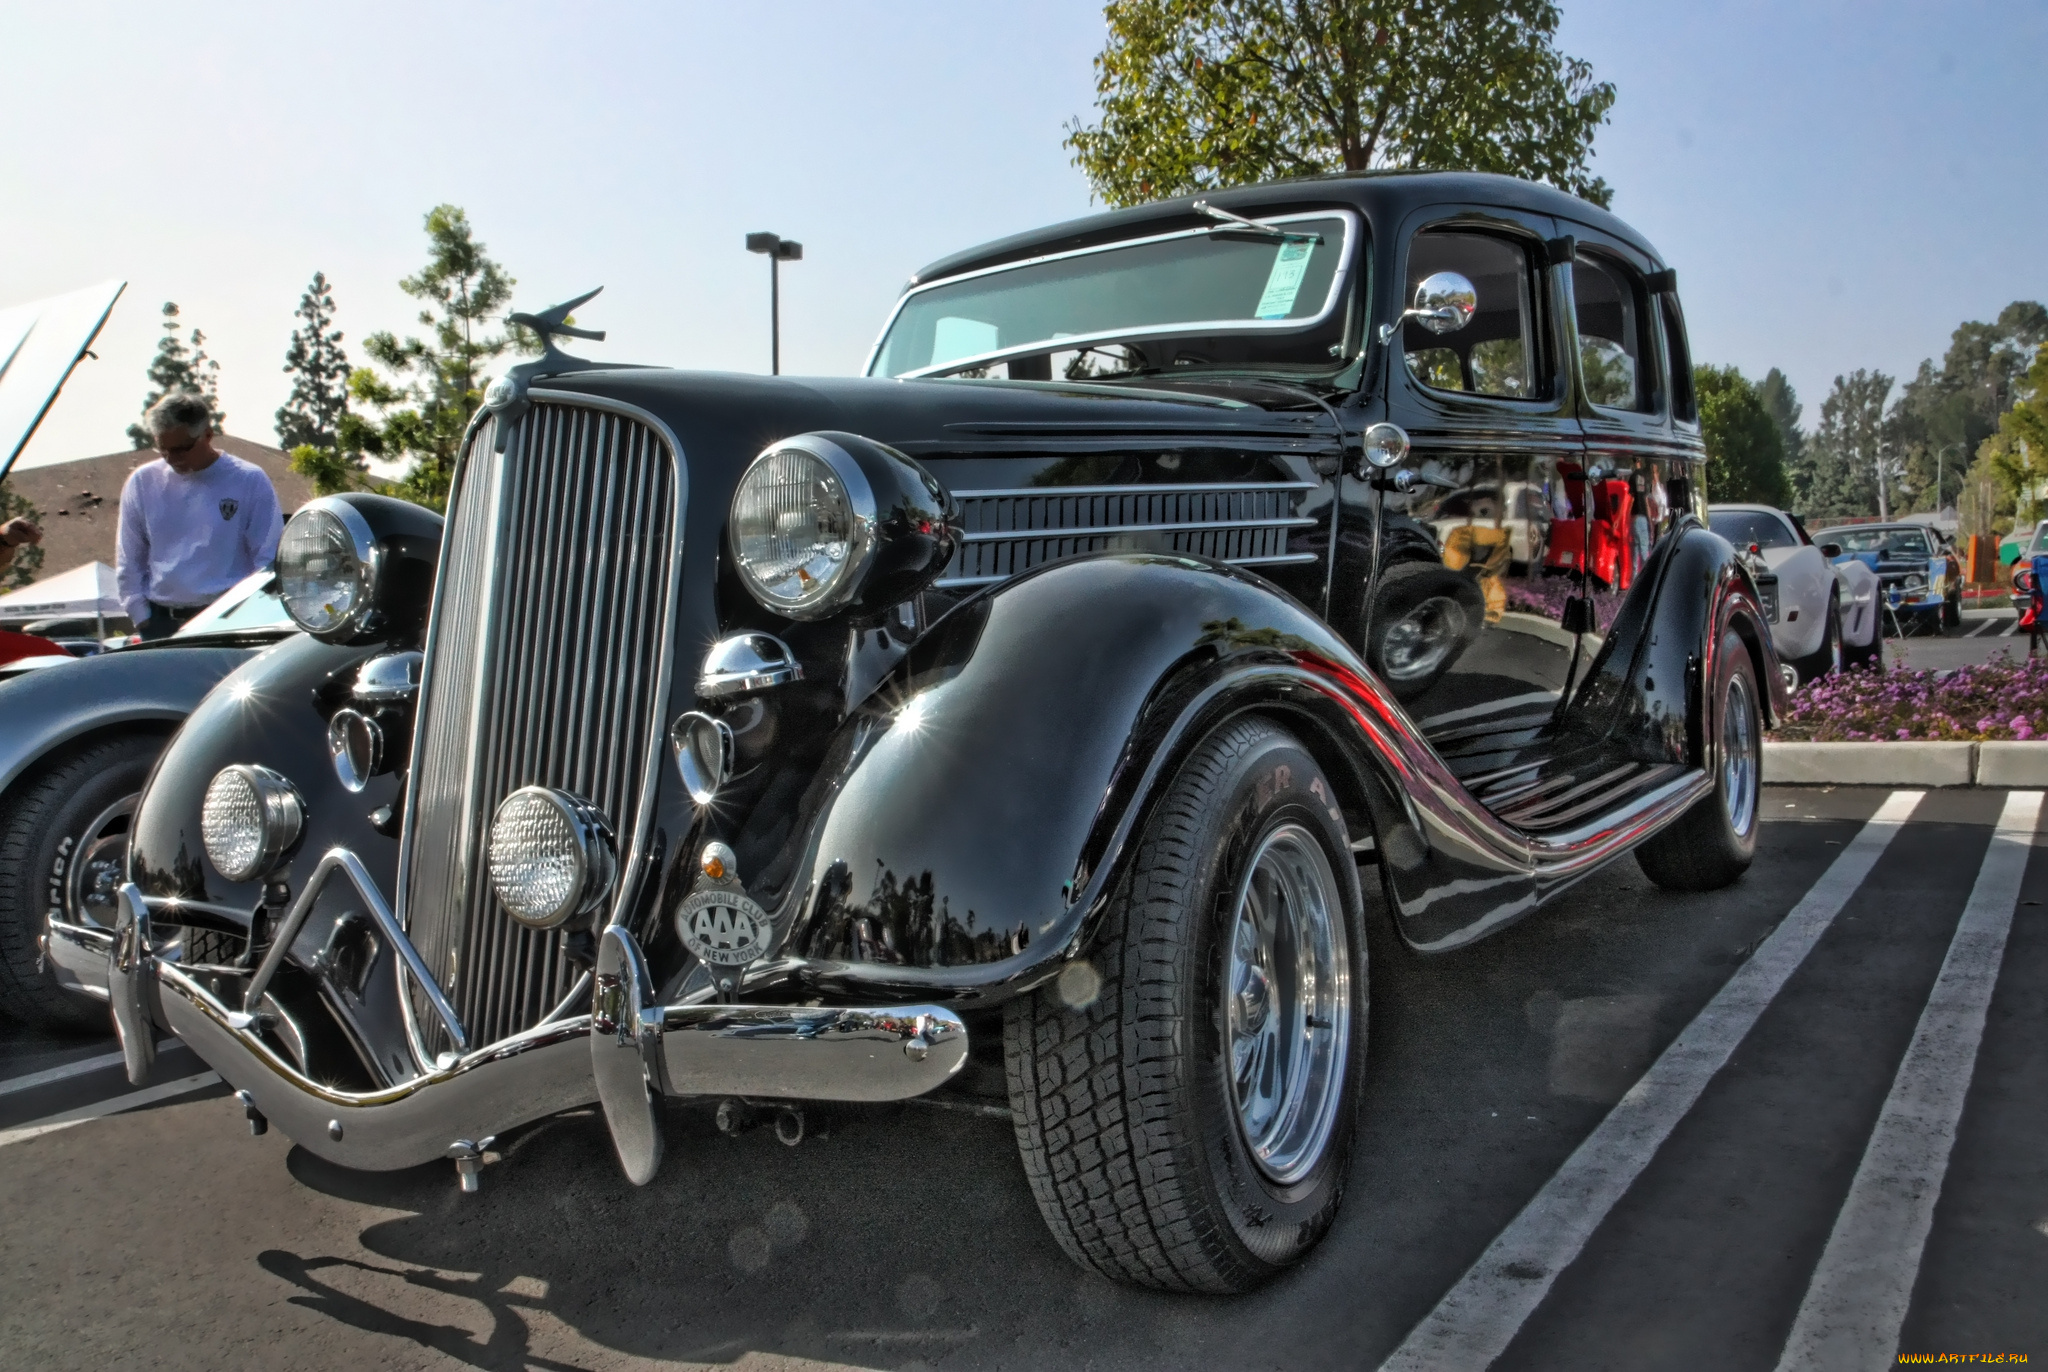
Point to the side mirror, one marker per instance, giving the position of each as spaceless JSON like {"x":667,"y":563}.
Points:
{"x":1444,"y":303}
{"x":1830,"y":550}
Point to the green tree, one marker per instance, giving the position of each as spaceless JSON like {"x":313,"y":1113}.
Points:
{"x":2018,"y":453}
{"x":436,"y":383}
{"x":28,"y":560}
{"x":1943,"y":416}
{"x":1782,"y":403}
{"x":1200,"y":94}
{"x":1745,"y":451}
{"x":1849,"y":449}
{"x":318,"y":367}
{"x":179,"y":366}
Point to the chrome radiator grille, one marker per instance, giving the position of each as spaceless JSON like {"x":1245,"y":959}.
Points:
{"x":543,"y":668}
{"x":1012,"y":531}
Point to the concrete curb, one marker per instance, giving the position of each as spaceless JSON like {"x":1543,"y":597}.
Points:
{"x":1905,"y":764}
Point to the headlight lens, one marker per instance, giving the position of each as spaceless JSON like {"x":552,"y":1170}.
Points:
{"x":799,"y":530}
{"x":250,"y":816}
{"x":550,"y":856}
{"x":326,"y":568}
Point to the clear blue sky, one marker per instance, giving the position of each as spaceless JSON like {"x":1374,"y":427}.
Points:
{"x":1838,"y":184}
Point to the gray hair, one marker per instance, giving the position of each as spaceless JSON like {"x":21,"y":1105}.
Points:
{"x":178,"y":412}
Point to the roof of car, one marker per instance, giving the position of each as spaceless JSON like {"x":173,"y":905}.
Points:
{"x":1386,"y":196}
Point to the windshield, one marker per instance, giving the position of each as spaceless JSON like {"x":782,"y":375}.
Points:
{"x":251,"y":603}
{"x":2040,"y":543}
{"x":1883,"y":542}
{"x":1744,"y":527}
{"x":1224,"y":298}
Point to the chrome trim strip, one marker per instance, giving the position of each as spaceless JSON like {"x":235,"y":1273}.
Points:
{"x":949,"y":582}
{"x":387,"y":924}
{"x":1106,"y":530}
{"x":1162,"y":489}
{"x":1353,"y":230}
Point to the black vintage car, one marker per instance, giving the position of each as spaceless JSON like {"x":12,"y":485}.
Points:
{"x":1181,"y":588}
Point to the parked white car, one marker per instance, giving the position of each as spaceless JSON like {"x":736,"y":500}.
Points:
{"x":1825,"y":615}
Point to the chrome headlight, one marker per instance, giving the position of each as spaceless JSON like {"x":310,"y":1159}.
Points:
{"x":550,"y":856}
{"x":327,"y":564}
{"x":249,"y":818}
{"x":803,"y":527}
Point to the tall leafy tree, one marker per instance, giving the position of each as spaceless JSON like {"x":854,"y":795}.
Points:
{"x":1849,"y":448}
{"x":179,"y":365}
{"x":2017,"y":455}
{"x":318,"y":367}
{"x":1945,"y":414}
{"x":1200,"y":94}
{"x":1745,"y":450}
{"x":1781,"y":402}
{"x":436,"y":383}
{"x":27,"y":560}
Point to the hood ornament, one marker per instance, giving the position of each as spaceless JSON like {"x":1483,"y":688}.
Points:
{"x":507,"y":395}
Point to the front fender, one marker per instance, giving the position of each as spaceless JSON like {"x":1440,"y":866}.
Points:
{"x":42,"y":711}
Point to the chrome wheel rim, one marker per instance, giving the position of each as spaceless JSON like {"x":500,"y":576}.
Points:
{"x":1738,"y":755}
{"x":1418,"y":641}
{"x":1288,"y":1014}
{"x":92,"y":872}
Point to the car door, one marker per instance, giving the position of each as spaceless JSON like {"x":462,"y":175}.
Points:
{"x":1463,"y":621}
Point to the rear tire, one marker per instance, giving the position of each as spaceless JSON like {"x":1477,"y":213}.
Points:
{"x":1713,"y":843}
{"x":1827,"y":659}
{"x":63,"y":834}
{"x":1177,"y":1133}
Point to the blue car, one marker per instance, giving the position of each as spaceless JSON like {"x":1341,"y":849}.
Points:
{"x":1919,"y":576}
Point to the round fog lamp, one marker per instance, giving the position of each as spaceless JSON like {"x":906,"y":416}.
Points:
{"x":250,"y":816}
{"x":357,"y":746}
{"x":550,"y":856}
{"x":703,"y":749}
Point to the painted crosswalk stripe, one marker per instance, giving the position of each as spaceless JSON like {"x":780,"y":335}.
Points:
{"x":1857,"y":1299}
{"x":1480,"y":1315}
{"x":30,"y":1080}
{"x":133,"y":1100}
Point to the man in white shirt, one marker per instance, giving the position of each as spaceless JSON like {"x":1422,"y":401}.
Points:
{"x":193,"y":523}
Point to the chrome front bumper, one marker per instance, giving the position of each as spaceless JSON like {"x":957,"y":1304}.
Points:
{"x":761,"y":1051}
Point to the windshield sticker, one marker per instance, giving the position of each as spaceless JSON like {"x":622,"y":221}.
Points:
{"x":955,"y":337}
{"x":1284,"y":282}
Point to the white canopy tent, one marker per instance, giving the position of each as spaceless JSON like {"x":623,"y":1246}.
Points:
{"x":87,"y":590}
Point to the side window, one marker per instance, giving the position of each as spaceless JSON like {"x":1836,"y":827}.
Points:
{"x":1683,"y":404}
{"x":1495,"y":354}
{"x":1612,"y":357}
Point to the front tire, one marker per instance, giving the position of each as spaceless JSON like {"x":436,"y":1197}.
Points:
{"x":1714,"y":842}
{"x":63,"y":846}
{"x":1185,"y":1101}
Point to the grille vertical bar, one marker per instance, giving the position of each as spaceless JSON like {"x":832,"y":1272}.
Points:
{"x":543,"y":670}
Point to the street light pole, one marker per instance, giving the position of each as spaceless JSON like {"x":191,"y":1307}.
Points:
{"x":778,"y":251}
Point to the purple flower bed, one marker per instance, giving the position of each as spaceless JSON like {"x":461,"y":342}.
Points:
{"x":2005,"y":698}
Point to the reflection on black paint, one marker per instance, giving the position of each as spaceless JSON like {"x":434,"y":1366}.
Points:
{"x":902,"y":924}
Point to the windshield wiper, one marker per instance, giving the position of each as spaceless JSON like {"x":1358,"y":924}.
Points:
{"x":1226,"y":220}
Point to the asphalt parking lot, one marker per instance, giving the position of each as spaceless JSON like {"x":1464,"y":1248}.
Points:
{"x":1984,"y":634}
{"x":1731,"y":1131}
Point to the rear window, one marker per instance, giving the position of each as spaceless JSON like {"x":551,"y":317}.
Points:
{"x":1883,"y":542}
{"x":1744,"y":527}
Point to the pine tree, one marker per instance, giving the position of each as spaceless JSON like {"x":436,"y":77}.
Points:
{"x":1848,"y":448}
{"x":178,"y":366}
{"x":319,"y":369}
{"x":438,"y":381}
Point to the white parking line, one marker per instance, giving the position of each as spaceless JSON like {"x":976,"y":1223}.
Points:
{"x":2007,"y":631}
{"x":134,"y":1100}
{"x":1857,"y":1299}
{"x":31,"y":1080}
{"x":1480,"y":1315}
